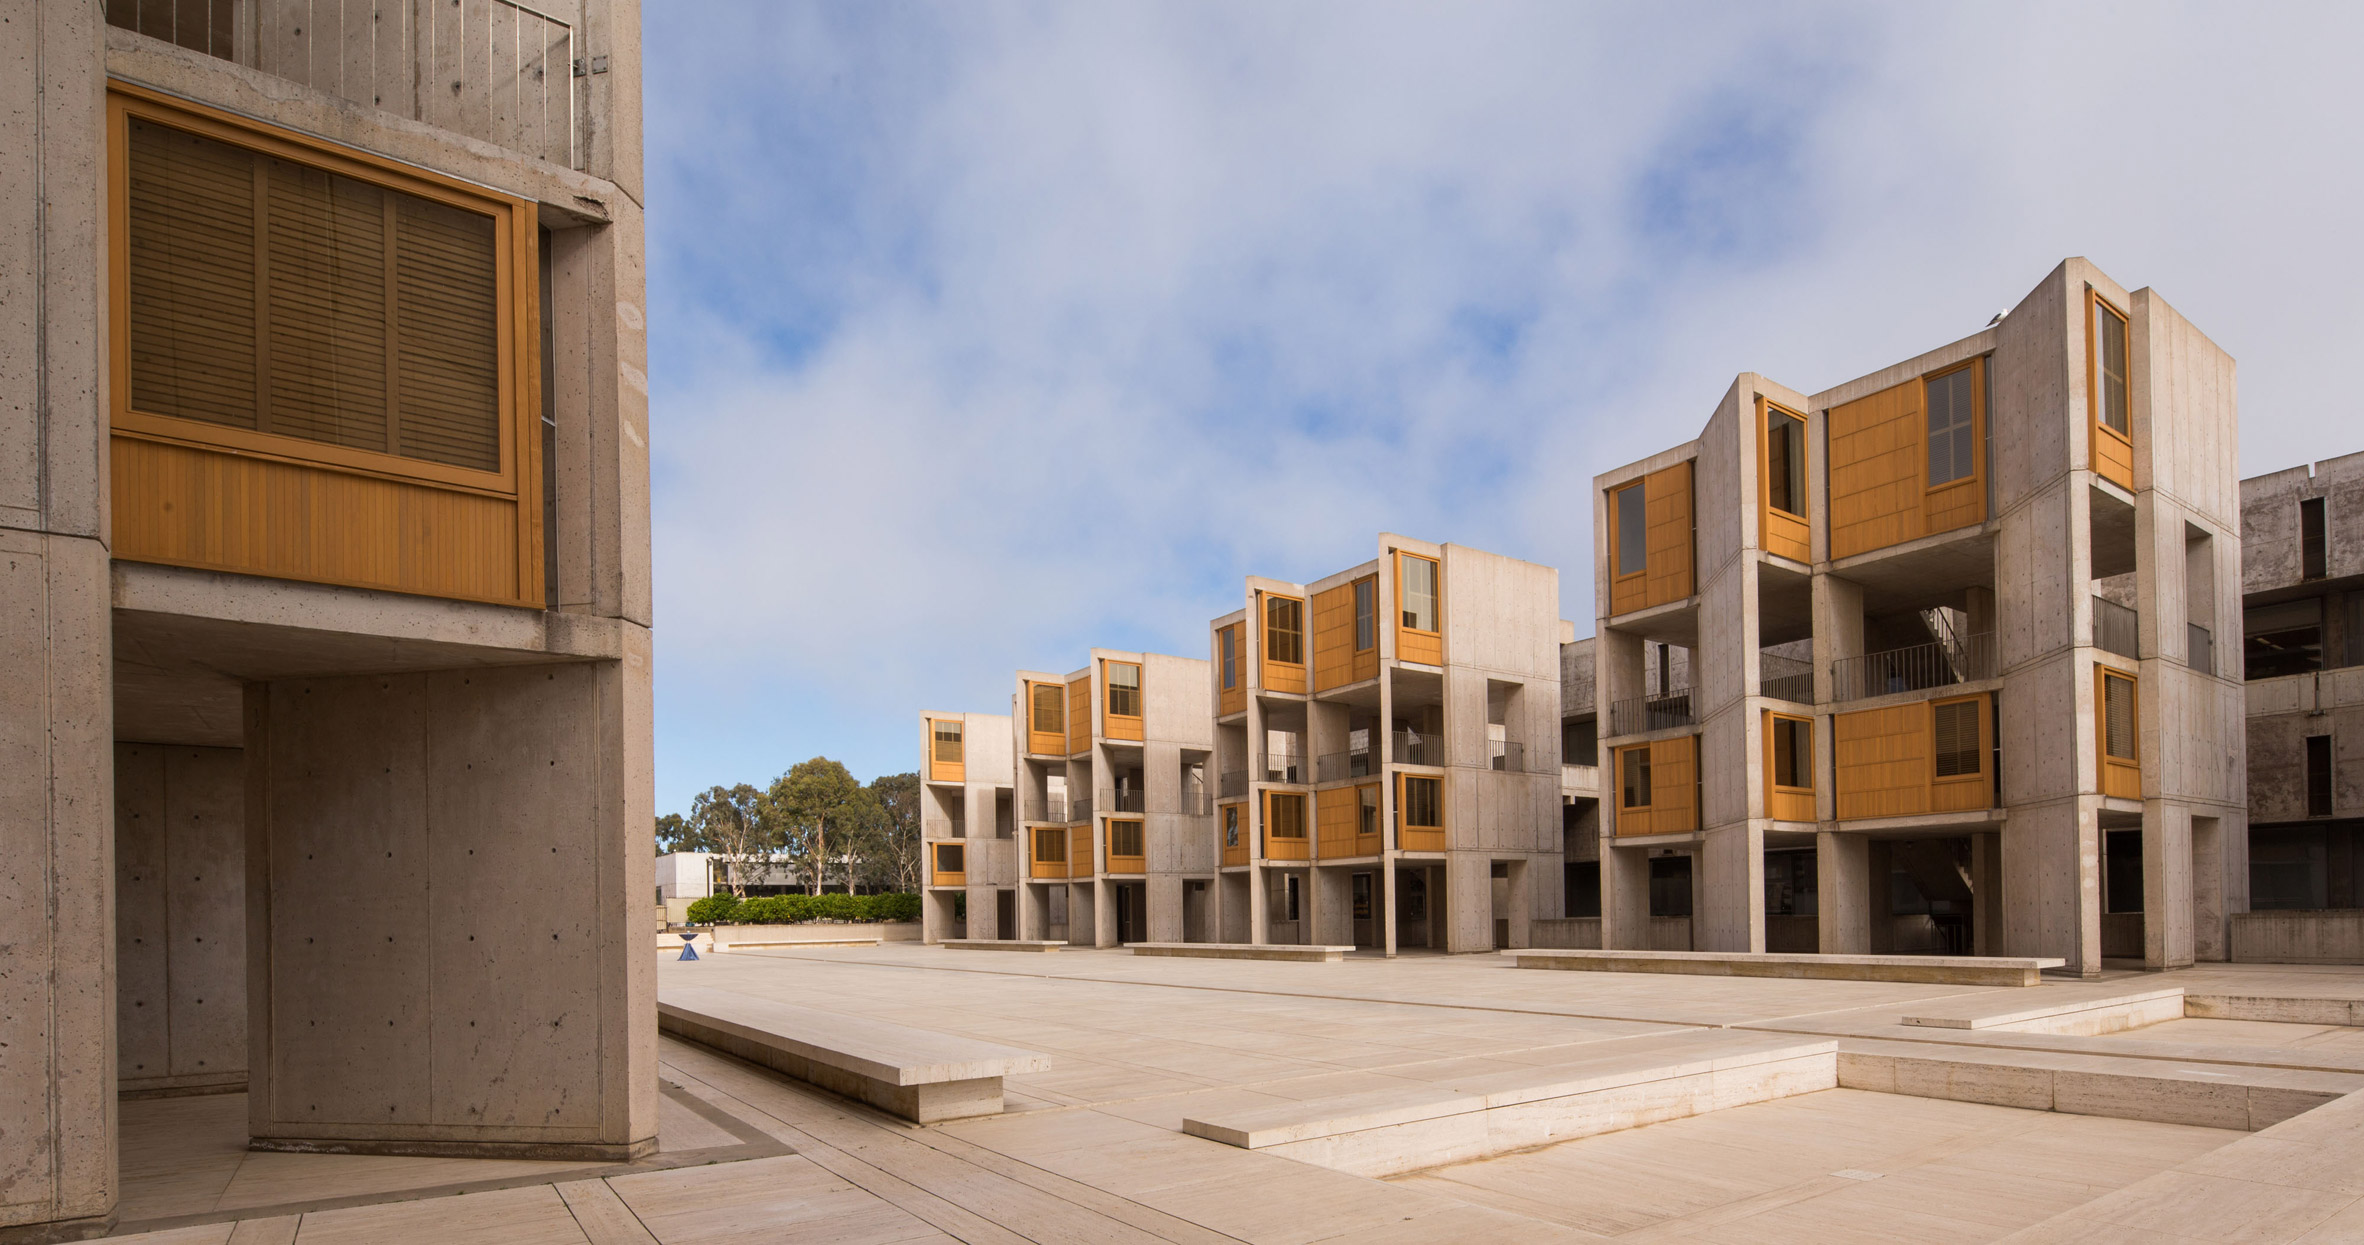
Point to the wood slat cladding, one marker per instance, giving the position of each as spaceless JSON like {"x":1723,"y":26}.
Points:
{"x":1339,"y":656}
{"x":1049,"y":857}
{"x":1079,"y":852}
{"x":1126,"y":853}
{"x":2117,"y":732}
{"x":2109,"y":390}
{"x":1419,"y":598}
{"x":1887,"y":763}
{"x":1122,"y":681}
{"x":1880,"y":467}
{"x":947,"y":750}
{"x":1285,"y":835}
{"x":1667,"y":543}
{"x":1231,"y":830}
{"x":1420,"y":812}
{"x":1339,"y":821}
{"x":1787,"y":800}
{"x":1079,"y":715}
{"x":1046,"y":718}
{"x":1657,"y":789}
{"x":1231,"y":670}
{"x":323,"y":364}
{"x":1283,"y":649}
{"x":1784,"y":466}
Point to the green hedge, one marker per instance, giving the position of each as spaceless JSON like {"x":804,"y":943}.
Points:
{"x":794,"y":909}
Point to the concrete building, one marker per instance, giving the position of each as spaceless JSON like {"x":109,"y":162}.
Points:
{"x":1388,"y":740}
{"x":324,"y":650}
{"x":1927,"y":661}
{"x":2302,"y":578}
{"x":967,"y":772}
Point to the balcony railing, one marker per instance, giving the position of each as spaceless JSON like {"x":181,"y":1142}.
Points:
{"x":1785,"y":678}
{"x":1053,"y":808}
{"x":1510,"y":758}
{"x":2115,"y":627}
{"x":2200,"y":647}
{"x":1641,"y":714}
{"x":1915,"y":668}
{"x":1284,"y":767}
{"x":1340,"y":766}
{"x":1122,"y":802}
{"x":1234,"y":784}
{"x":1414,"y":748}
{"x":1079,"y":811}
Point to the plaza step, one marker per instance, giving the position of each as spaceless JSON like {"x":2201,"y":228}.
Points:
{"x":2208,"y":1095}
{"x":1952,"y":970}
{"x":1314,"y":953}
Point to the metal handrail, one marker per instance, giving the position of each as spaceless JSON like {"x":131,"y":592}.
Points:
{"x":1051,"y":808}
{"x":1233,"y":784}
{"x":1510,"y":758}
{"x":1414,"y":748}
{"x":1123,"y":801}
{"x":1638,"y":715}
{"x":1340,"y":766}
{"x":1914,"y":668}
{"x":2115,"y":628}
{"x":1079,"y":811}
{"x":1285,"y":767}
{"x":1785,"y":678}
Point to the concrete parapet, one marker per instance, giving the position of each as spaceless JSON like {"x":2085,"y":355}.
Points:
{"x":1960,"y":970}
{"x":1308,"y":953}
{"x":2332,"y":936}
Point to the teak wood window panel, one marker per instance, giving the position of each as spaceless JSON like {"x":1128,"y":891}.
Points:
{"x":1123,"y":710}
{"x":1420,"y":813}
{"x":1079,"y":715}
{"x":1346,"y":634}
{"x":945,"y":750}
{"x":950,"y":865}
{"x":1910,"y":759}
{"x":2117,"y":730}
{"x":1079,"y":851}
{"x":309,"y":444}
{"x":1232,"y":819}
{"x":1284,"y":826}
{"x":1789,"y":767}
{"x":1420,"y":623}
{"x":1284,"y":643}
{"x":1658,"y":786}
{"x":1879,"y":459}
{"x":1049,"y":858}
{"x":1125,"y":852}
{"x":1662,"y":571}
{"x":1231,"y":694}
{"x":1782,"y":475}
{"x":2109,"y":392}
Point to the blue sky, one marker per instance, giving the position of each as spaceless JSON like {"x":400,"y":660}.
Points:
{"x":985,"y":333}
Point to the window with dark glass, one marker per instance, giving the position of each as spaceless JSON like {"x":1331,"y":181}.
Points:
{"x":1366,"y":614}
{"x":1633,"y":774}
{"x":1050,"y":709}
{"x":1423,"y":802}
{"x":2109,"y":368}
{"x":947,"y":741}
{"x":1368,"y":821}
{"x":951,"y":858}
{"x":2318,"y":775}
{"x":1284,"y":630}
{"x":1231,"y":825}
{"x":2118,"y":740}
{"x":1956,"y":728}
{"x":1284,"y":816}
{"x":1124,"y":838}
{"x":1228,"y":640}
{"x":1124,"y":689}
{"x":1952,"y":427}
{"x":2314,"y":546}
{"x":1785,"y":461}
{"x":1633,"y":528}
{"x":2281,"y":639}
{"x":1419,"y":594}
{"x":1050,"y":844}
{"x":1793,"y":753}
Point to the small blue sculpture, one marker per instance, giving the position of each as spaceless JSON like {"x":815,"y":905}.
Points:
{"x":689,"y":944}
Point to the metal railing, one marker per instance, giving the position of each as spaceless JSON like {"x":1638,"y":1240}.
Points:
{"x":1915,"y":668}
{"x":1510,"y":758}
{"x":1233,"y":784}
{"x":1641,"y":714}
{"x":1414,"y":748}
{"x":2200,"y":647}
{"x":2115,"y":627}
{"x":1284,"y":767}
{"x":1053,"y":808}
{"x":1122,"y":802}
{"x":1785,"y":678}
{"x":1078,"y":810}
{"x":1340,"y":766}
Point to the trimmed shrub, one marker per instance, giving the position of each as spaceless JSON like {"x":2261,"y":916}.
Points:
{"x":895,"y":907}
{"x":713,"y":909}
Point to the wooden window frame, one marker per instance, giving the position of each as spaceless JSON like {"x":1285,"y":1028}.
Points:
{"x":1366,"y":594}
{"x":1617,"y":570}
{"x":1137,"y":857}
{"x":1976,"y":366}
{"x":1272,"y":599}
{"x":2095,"y":301}
{"x":1771,"y":782}
{"x":940,"y":850}
{"x":1046,"y":835}
{"x":1034,"y":711}
{"x":1227,"y":656}
{"x":517,"y":259}
{"x":1618,"y":774}
{"x":1403,"y":561}
{"x":1272,"y":800}
{"x":1108,"y":668}
{"x":1404,"y":804}
{"x":2101,"y":725}
{"x":1985,"y":741}
{"x":937,"y":740}
{"x":1766,"y":410}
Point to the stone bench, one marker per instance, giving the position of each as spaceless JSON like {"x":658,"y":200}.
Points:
{"x":1950,"y":970}
{"x":2207,"y":1095}
{"x":1626,"y":1083}
{"x":2079,"y":1013}
{"x":754,"y":937}
{"x":1000,"y":944}
{"x":921,"y":1076}
{"x":1243,"y":951}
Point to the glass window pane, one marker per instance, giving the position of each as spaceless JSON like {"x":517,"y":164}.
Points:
{"x":1419,"y":594}
{"x":1633,"y":529}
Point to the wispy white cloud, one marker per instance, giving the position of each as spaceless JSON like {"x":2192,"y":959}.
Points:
{"x":988,"y":333}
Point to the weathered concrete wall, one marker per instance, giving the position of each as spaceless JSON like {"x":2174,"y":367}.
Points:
{"x":410,"y":978}
{"x":2299,"y":937}
{"x":180,"y":917}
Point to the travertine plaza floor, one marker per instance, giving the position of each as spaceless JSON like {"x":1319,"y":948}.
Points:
{"x":1091,"y":1151}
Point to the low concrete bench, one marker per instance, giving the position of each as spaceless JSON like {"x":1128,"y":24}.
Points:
{"x":1000,"y":944}
{"x":1244,"y":951}
{"x":755,"y":937}
{"x":1949,"y":970}
{"x":1628,"y":1083}
{"x":2081,"y":1013}
{"x":913,"y":1073}
{"x":2207,"y":1095}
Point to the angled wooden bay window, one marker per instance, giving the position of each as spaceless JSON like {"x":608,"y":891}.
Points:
{"x":1049,"y":858}
{"x":1123,"y":710}
{"x":1284,"y":644}
{"x":1079,"y":715}
{"x":2107,"y":394}
{"x":945,"y":750}
{"x":951,"y":865}
{"x":1781,"y":479}
{"x":324,"y":365}
{"x":1658,"y":786}
{"x":1651,"y":540}
{"x":1230,"y":672}
{"x":1346,"y":634}
{"x":1789,"y":767}
{"x":1420,"y":629}
{"x":1419,"y":813}
{"x":2117,"y":728}
{"x":1908,"y":461}
{"x":1046,"y":718}
{"x":1125,"y":852}
{"x":1284,"y":826}
{"x":1234,"y":843}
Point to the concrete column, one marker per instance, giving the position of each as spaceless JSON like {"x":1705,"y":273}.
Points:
{"x":2209,"y":925}
{"x":180,"y":917}
{"x":1259,"y":906}
{"x":2052,"y":882}
{"x":1986,"y":893}
{"x":1469,"y":880}
{"x":1625,"y":898}
{"x":1838,"y":628}
{"x":447,"y":921}
{"x":1728,"y":885}
{"x":1103,"y":912}
{"x":1387,"y":903}
{"x":2167,"y":940}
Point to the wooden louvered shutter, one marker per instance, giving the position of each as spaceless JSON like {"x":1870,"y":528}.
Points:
{"x":192,"y":312}
{"x":325,"y":278}
{"x":2118,"y":716}
{"x":448,"y":299}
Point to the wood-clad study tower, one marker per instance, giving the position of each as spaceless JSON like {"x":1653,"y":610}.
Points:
{"x":1928,"y":661}
{"x":326,"y":629}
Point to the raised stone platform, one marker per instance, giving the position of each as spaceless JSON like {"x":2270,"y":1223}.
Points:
{"x":2207,"y":1095}
{"x":1951,"y":970}
{"x":2089,"y":1015}
{"x":922,"y":1076}
{"x":1000,"y":944}
{"x":1244,"y":951}
{"x":1418,"y":1125}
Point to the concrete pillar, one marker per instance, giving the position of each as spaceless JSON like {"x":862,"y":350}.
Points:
{"x":1164,"y":894}
{"x":1387,"y":903}
{"x":1838,"y":628}
{"x":1469,"y":882}
{"x":2167,"y":940}
{"x":1842,"y":870}
{"x":1625,"y":898}
{"x":1728,"y":889}
{"x":2210,"y":930}
{"x":984,"y":913}
{"x":2052,"y":882}
{"x":1259,"y":905}
{"x":1104,"y":901}
{"x":1986,"y":893}
{"x":447,"y":929}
